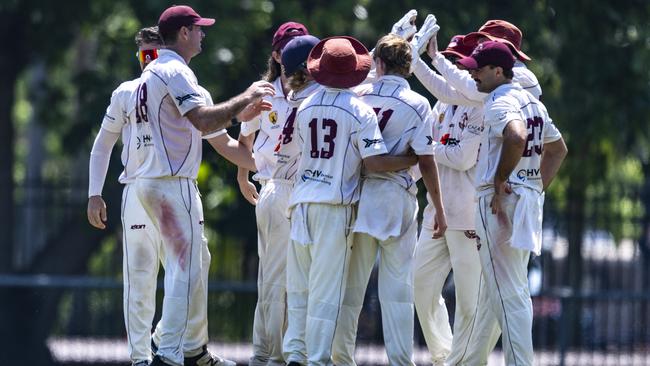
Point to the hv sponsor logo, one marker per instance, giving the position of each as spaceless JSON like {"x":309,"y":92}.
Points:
{"x":186,"y":97}
{"x":316,"y":176}
{"x":525,"y":174}
{"x":143,"y":140}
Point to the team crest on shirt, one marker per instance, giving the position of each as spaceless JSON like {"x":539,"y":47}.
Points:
{"x":273,"y":117}
{"x":441,"y":117}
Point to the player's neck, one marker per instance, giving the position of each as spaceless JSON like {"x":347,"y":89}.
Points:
{"x":184,"y":53}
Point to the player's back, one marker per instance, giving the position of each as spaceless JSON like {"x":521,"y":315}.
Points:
{"x":506,"y":103}
{"x":168,"y":89}
{"x":404,"y":118}
{"x":331,"y":126}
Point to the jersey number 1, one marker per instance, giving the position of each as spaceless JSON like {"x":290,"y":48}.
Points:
{"x":328,"y":138}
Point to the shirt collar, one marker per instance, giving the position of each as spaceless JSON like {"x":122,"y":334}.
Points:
{"x":395,"y":79}
{"x":279,"y":91}
{"x":171,"y":54}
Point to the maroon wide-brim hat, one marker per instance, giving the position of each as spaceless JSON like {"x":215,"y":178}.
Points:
{"x":501,"y":31}
{"x":339,"y":62}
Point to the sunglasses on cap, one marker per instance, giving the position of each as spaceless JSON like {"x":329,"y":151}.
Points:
{"x":146,"y":56}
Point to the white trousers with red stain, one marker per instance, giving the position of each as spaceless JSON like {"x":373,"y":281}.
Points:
{"x":174,"y":207}
{"x":316,"y":276}
{"x":273,"y":241}
{"x":505,"y":283}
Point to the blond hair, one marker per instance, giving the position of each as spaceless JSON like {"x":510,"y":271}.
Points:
{"x":395,"y":53}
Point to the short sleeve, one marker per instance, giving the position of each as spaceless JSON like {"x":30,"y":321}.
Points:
{"x":422,"y":137}
{"x":369,"y":139}
{"x":551,"y":133}
{"x":186,"y":92}
{"x":499,"y":113}
{"x":115,"y":117}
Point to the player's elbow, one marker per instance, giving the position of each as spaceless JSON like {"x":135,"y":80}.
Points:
{"x":556,"y":149}
{"x":426,"y":163}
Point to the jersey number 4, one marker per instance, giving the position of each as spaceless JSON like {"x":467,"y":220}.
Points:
{"x":326,"y":151}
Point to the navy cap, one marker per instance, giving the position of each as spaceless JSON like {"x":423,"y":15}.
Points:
{"x":295,"y":53}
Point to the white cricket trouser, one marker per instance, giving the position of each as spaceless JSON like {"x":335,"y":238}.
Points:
{"x":506,"y":280}
{"x":273,"y":240}
{"x":395,"y":271}
{"x":316,"y":276}
{"x":174,"y":206}
{"x":434,"y":258}
{"x":141,"y":246}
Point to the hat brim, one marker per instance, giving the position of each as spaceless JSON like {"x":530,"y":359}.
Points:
{"x":469,"y":63}
{"x":334,"y":79}
{"x":204,"y":22}
{"x":474,"y":36}
{"x":452,"y":53}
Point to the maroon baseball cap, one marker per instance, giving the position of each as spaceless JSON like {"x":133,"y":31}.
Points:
{"x":502,"y":31}
{"x":492,"y":53}
{"x":339,"y":62}
{"x":177,"y":16}
{"x":287,"y":32}
{"x":457,"y":47}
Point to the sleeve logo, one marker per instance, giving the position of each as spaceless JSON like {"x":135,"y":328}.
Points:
{"x":370,"y":142}
{"x":186,"y":97}
{"x":429,"y":140}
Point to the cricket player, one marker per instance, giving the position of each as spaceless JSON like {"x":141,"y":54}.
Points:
{"x":388,"y":226}
{"x":273,"y":225}
{"x":521,"y":152}
{"x":336,"y":132}
{"x":287,"y":152}
{"x":171,"y":110}
{"x":458,"y":129}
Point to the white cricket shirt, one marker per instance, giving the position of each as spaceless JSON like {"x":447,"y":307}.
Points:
{"x":171,"y":145}
{"x":335,"y":130}
{"x":269,"y":124}
{"x":287,"y":149}
{"x":506,"y":103}
{"x":118,"y":115}
{"x":405,"y":121}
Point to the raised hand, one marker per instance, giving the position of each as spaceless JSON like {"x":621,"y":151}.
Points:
{"x":428,"y":30}
{"x":405,"y":27}
{"x":253,"y":110}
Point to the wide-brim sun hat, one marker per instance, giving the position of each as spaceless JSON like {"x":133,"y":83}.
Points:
{"x":339,"y":62}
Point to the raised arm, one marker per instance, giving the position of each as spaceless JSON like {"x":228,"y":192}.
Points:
{"x":210,"y":118}
{"x":439,"y":87}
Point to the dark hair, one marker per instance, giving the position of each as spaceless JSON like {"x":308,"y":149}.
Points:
{"x":148,"y":35}
{"x":395,"y":52}
{"x":273,"y":70}
{"x":508,"y":73}
{"x":169,"y":36}
{"x":298,"y":79}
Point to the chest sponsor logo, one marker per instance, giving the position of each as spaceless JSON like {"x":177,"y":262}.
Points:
{"x":144,"y":140}
{"x":446,"y":139}
{"x":317,"y":176}
{"x":186,"y":97}
{"x":525,"y":174}
{"x":370,"y":142}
